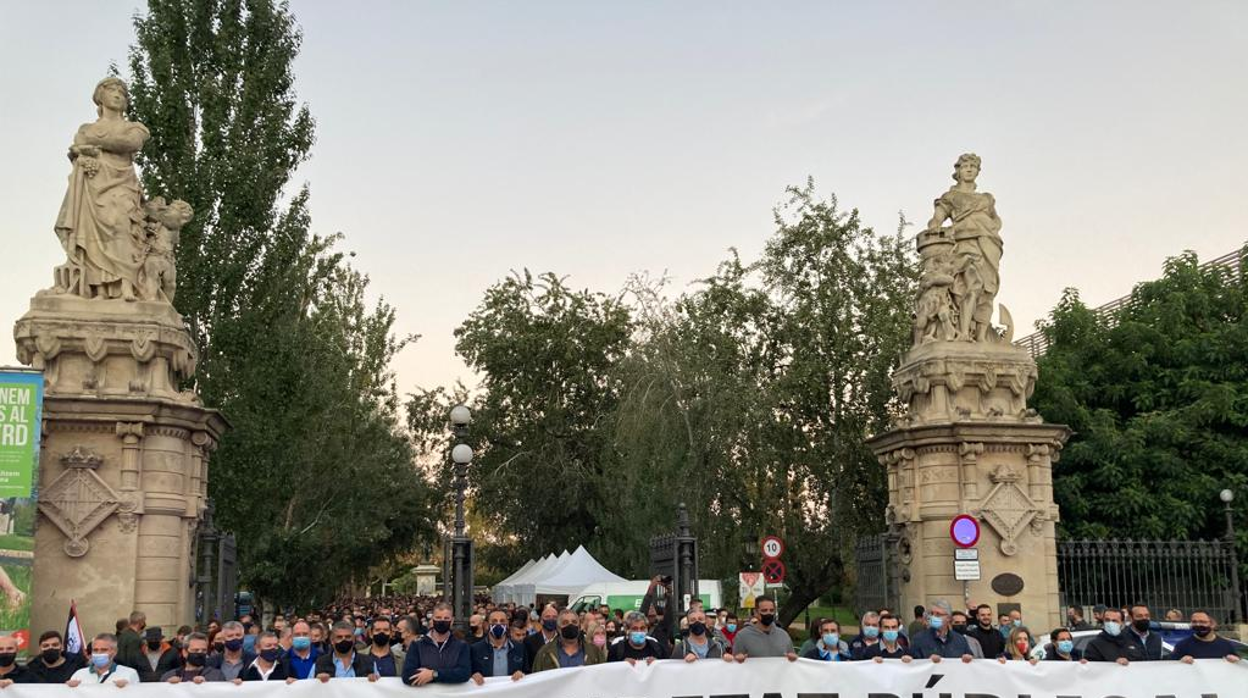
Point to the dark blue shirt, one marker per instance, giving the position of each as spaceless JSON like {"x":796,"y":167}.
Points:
{"x":383,"y":665}
{"x":927,"y":643}
{"x":301,"y":668}
{"x":1217,"y":648}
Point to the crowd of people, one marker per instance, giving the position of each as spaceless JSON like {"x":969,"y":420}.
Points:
{"x":417,"y":639}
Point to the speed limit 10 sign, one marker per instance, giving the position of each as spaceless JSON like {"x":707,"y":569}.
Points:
{"x":773,"y":547}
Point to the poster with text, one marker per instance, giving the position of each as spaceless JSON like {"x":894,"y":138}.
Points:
{"x":21,"y":412}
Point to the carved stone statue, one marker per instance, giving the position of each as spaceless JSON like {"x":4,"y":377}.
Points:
{"x":961,"y":264}
{"x":116,"y":245}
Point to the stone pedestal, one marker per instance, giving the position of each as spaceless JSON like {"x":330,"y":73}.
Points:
{"x":427,"y":579}
{"x":968,"y":444}
{"x":123,"y":471}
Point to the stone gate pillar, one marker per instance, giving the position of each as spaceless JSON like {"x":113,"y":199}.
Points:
{"x":123,"y":467}
{"x":968,"y":443}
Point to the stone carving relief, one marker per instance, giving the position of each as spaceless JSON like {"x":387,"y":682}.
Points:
{"x":1008,"y":508}
{"x":79,"y":500}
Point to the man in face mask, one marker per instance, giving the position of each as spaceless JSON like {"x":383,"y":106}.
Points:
{"x":476,"y":628}
{"x":10,"y":671}
{"x":497,"y":655}
{"x":344,"y":662}
{"x":889,"y":646}
{"x":379,"y":634}
{"x":960,"y":625}
{"x":1204,"y":643}
{"x":104,"y":667}
{"x":699,"y":643}
{"x":548,"y":631}
{"x":268,"y":665}
{"x":195,"y":667}
{"x":868,"y":635}
{"x":991,"y":643}
{"x":939,"y":641}
{"x":159,"y":657}
{"x":764,"y":638}
{"x":52,"y":665}
{"x":304,"y":652}
{"x":1113,"y":644}
{"x":233,"y":659}
{"x":571,"y":649}
{"x":1141,"y":621}
{"x":439,"y":656}
{"x":829,"y":647}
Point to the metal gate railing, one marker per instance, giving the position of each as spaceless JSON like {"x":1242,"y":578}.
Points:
{"x":876,"y":588}
{"x":1186,"y":575}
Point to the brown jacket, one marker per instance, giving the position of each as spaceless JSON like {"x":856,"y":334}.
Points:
{"x":546,"y":658}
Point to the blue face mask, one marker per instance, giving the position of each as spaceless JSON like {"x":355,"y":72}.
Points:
{"x":637,"y":637}
{"x":1113,"y":628}
{"x":871,"y":631}
{"x":831,"y":640}
{"x":936,"y":622}
{"x":1065,"y":646}
{"x":301,"y":643}
{"x":100,"y":660}
{"x":732,"y":627}
{"x":891,"y":635}
{"x":1017,"y":622}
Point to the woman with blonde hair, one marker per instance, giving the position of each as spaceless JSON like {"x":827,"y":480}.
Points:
{"x":1018,"y":645}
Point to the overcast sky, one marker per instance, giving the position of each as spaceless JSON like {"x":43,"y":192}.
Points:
{"x":459,"y":140}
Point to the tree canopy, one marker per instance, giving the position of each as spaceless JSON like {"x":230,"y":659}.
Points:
{"x":317,"y":478}
{"x":1157,"y":394}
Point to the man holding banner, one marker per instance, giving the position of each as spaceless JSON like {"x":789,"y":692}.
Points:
{"x":53,"y":664}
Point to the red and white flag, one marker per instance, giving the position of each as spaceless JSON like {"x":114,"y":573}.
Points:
{"x":74,"y":641}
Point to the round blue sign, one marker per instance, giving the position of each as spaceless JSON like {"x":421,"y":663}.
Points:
{"x":964,"y":530}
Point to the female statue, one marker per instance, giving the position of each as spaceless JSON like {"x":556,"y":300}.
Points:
{"x":101,"y":219}
{"x":977,"y":248}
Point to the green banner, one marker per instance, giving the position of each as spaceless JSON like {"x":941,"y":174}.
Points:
{"x":21,"y":412}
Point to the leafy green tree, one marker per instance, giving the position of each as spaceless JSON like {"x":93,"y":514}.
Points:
{"x":316,"y":479}
{"x":1157,"y":395}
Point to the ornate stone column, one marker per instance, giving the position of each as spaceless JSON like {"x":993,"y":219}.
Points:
{"x":123,"y":465}
{"x":968,"y":443}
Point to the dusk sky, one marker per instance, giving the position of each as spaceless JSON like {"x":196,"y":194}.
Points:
{"x":457,"y":141}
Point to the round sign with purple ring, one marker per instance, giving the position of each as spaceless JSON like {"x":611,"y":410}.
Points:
{"x":964,"y":530}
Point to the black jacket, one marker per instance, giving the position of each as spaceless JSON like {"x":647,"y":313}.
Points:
{"x":1152,"y":644}
{"x":169,"y":660}
{"x":532,"y":645}
{"x":362,"y":665}
{"x":483,"y":658}
{"x":990,"y":640}
{"x":280,"y":672}
{"x":1107,"y":648}
{"x":38,"y":672}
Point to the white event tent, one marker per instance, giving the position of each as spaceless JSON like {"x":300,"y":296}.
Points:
{"x":554,"y":576}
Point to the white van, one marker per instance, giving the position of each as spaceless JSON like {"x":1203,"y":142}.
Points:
{"x":628,"y":595}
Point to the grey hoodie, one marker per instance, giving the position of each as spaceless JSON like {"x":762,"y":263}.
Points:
{"x":753,"y":642}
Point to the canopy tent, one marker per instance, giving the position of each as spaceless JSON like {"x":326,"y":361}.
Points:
{"x":517,"y":573}
{"x":566,"y":574}
{"x":508,"y":592}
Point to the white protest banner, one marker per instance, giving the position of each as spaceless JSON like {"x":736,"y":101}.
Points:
{"x":755,"y":678}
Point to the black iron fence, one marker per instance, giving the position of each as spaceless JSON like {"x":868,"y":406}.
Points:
{"x":877,"y":587}
{"x":1186,"y":575}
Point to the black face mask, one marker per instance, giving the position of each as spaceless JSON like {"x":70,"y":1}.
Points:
{"x":569,"y":632}
{"x":196,"y":659}
{"x":767,"y":618}
{"x":270,"y":655}
{"x":218,"y":646}
{"x":1141,"y":625}
{"x":698,"y":628}
{"x":50,"y":656}
{"x":442,"y":626}
{"x":343,"y":646}
{"x":381,"y":640}
{"x":153,"y":645}
{"x":1201,"y":630}
{"x":7,"y":658}
{"x":234,"y":645}
{"x":959,"y":627}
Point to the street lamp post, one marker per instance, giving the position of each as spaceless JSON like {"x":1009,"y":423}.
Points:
{"x":461,"y":544}
{"x":1227,"y":496}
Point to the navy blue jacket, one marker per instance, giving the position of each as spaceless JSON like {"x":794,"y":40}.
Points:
{"x":483,"y":658}
{"x":927,"y":643}
{"x":1152,"y":646}
{"x":452,"y":661}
